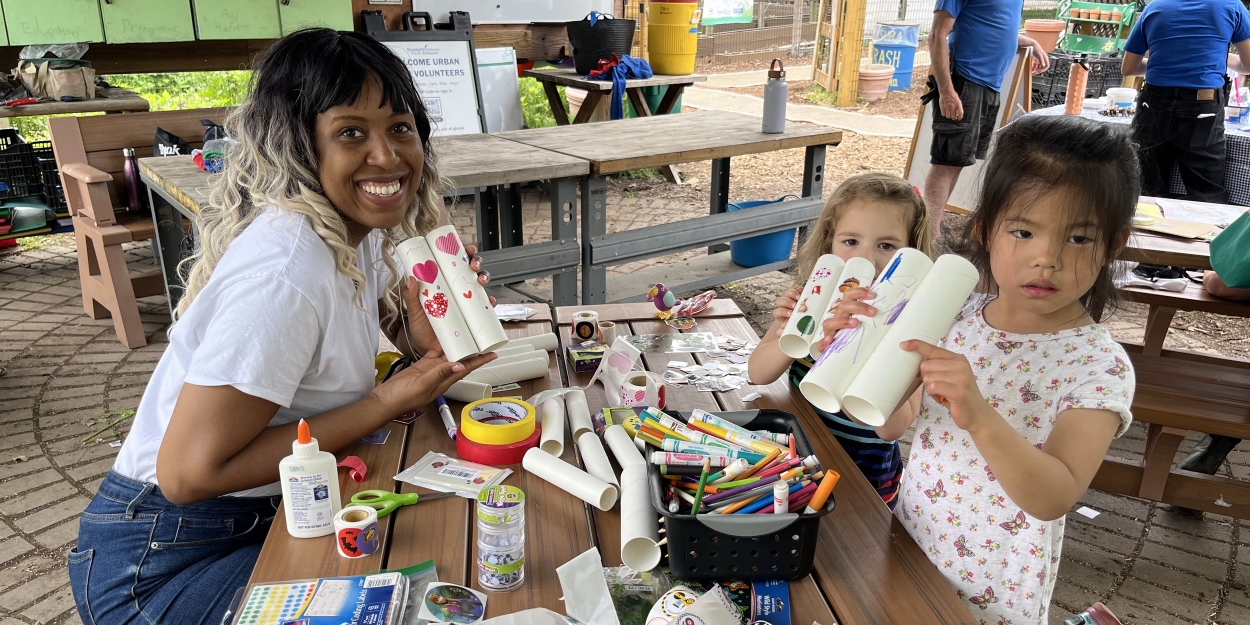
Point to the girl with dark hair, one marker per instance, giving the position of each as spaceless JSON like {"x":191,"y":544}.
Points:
{"x":280,"y":322}
{"x":1024,"y":394}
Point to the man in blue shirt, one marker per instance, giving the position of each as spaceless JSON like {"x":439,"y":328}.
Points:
{"x":1180,"y":111}
{"x":971,"y":47}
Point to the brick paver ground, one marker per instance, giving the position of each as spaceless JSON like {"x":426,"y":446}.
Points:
{"x":64,"y":372}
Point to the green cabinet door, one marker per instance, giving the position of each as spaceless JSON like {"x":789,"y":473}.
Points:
{"x":237,"y":19}
{"x":4,"y":34}
{"x":297,"y":14}
{"x":53,"y":21}
{"x":147,"y":21}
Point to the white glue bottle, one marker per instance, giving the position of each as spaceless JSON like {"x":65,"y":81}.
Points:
{"x":310,"y":487}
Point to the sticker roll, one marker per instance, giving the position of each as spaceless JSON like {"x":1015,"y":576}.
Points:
{"x":434,"y":293}
{"x":356,"y":531}
{"x":570,"y":479}
{"x":466,"y":292}
{"x":496,"y":455}
{"x":881,"y":384}
{"x":595,"y":458}
{"x":578,"y":412}
{"x":856,"y":272}
{"x":639,"y":523}
{"x":622,"y":447}
{"x":468,"y":392}
{"x":838,"y":365}
{"x":797,"y":335}
{"x":586,"y":327}
{"x":497,"y":421}
{"x":553,"y":426}
{"x":509,"y":373}
{"x":546,"y":342}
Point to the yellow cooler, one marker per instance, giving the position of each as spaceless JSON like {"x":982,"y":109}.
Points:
{"x":673,"y":36}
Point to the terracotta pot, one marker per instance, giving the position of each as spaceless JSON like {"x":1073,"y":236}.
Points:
{"x":1045,"y":32}
{"x":1074,"y":13}
{"x":1105,"y":16}
{"x":1116,"y":16}
{"x":1084,"y":14}
{"x":874,"y":81}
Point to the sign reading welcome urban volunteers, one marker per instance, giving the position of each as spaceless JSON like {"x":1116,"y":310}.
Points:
{"x":443,"y":73}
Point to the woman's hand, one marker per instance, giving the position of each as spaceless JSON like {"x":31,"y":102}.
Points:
{"x":420,"y":332}
{"x":948,"y":378}
{"x":426,"y":379}
{"x":844,"y":313}
{"x":785,"y":308}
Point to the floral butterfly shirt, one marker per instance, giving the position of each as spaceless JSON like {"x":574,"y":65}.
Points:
{"x":1000,"y":560}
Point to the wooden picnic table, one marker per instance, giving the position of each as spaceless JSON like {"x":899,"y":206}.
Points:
{"x":1160,"y":249}
{"x":868,"y":571}
{"x":114,"y":100}
{"x":628,"y":144}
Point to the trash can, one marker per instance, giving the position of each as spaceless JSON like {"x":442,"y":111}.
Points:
{"x":764,"y":248}
{"x":894,"y":44}
{"x":653,"y":96}
{"x":673,"y":36}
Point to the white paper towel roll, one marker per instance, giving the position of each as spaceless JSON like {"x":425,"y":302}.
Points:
{"x":436,"y":297}
{"x":623,"y":447}
{"x":466,"y":293}
{"x":578,"y":412}
{"x":856,"y":272}
{"x":509,"y":372}
{"x":595,"y":458}
{"x":552,"y":440}
{"x":570,"y":479}
{"x":884,"y":379}
{"x":833,"y":372}
{"x":547,"y":342}
{"x":467,"y":391}
{"x":815,"y":295}
{"x":639,"y":522}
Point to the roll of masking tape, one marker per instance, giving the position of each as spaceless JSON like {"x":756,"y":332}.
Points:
{"x":586,"y":326}
{"x":497,"y":421}
{"x":356,"y":531}
{"x":496,"y":455}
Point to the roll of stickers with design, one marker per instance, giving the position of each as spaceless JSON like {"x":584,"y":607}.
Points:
{"x":469,"y":296}
{"x":856,"y":272}
{"x":585,"y":326}
{"x":356,"y":531}
{"x":884,"y":379}
{"x":797,"y":335}
{"x":828,"y":379}
{"x":435,"y":295}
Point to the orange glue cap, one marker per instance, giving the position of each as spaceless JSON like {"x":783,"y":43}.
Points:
{"x":305,"y":436}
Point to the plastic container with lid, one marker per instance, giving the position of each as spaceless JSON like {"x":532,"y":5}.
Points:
{"x":501,"y":538}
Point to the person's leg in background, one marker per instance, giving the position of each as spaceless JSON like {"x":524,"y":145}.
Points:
{"x":1152,"y":129}
{"x":938,"y":185}
{"x":1201,"y":148}
{"x":955,"y":145}
{"x":1209,"y":454}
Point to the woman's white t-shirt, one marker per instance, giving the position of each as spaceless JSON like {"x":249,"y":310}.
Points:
{"x":276,"y":321}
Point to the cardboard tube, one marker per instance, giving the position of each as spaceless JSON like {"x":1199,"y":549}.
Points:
{"x":571,"y":479}
{"x":623,"y":448}
{"x":639,"y":524}
{"x":595,"y":458}
{"x":548,"y":342}
{"x":552,"y":440}
{"x":512,"y":350}
{"x":436,"y":299}
{"x":467,"y":391}
{"x":856,"y":272}
{"x":813,"y":299}
{"x":578,"y":412}
{"x":880,"y":385}
{"x":520,"y":357}
{"x":509,"y":372}
{"x":466,"y":293}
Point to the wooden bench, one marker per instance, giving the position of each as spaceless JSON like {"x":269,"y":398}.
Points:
{"x":89,"y":156}
{"x":1178,"y":392}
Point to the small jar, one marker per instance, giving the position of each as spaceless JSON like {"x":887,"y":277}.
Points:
{"x":501,"y":538}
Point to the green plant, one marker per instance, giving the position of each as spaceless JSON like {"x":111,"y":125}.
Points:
{"x":817,"y":94}
{"x":534,"y":105}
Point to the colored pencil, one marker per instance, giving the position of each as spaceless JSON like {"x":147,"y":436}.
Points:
{"x":730,"y":509}
{"x":698,"y":494}
{"x":772,"y":455}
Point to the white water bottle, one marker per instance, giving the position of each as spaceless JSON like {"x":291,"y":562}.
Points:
{"x":776,"y":92}
{"x":310,"y":487}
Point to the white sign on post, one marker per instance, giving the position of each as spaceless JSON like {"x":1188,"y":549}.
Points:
{"x":443,"y":73}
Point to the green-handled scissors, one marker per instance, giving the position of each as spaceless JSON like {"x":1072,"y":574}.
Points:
{"x":386,"y":502}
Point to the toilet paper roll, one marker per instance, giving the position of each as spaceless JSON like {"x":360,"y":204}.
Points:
{"x":356,"y":531}
{"x":828,"y":379}
{"x":520,"y":357}
{"x":512,"y":350}
{"x":797,"y":335}
{"x":436,"y":297}
{"x":467,"y":391}
{"x":880,"y":385}
{"x":509,"y":373}
{"x":643,"y":389}
{"x":595,"y":458}
{"x":639,"y":523}
{"x":623,"y":447}
{"x":578,"y":412}
{"x":585,"y":326}
{"x":547,"y":342}
{"x":552,"y":440}
{"x":570,"y":479}
{"x":856,"y":272}
{"x":466,"y":293}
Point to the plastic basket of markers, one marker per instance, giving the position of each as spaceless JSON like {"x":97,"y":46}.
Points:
{"x":758,"y":544}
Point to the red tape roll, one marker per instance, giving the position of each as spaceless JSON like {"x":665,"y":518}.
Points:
{"x":496,"y":454}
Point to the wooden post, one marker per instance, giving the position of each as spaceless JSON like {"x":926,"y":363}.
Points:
{"x":796,"y":28}
{"x":643,"y":52}
{"x":825,"y":58}
{"x":850,"y":50}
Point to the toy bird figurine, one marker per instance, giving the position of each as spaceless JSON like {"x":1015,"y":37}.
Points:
{"x":669,"y":307}
{"x":663,"y":298}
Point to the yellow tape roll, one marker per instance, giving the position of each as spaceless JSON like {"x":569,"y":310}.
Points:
{"x":497,"y":421}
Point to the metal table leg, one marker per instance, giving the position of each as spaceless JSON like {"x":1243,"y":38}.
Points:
{"x":486,"y":206}
{"x":511,"y":230}
{"x":594,"y":209}
{"x":720,"y":195}
{"x":813,"y":179}
{"x":563,"y":192}
{"x":167,"y":246}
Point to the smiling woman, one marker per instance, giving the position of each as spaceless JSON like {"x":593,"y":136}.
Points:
{"x":331,"y":167}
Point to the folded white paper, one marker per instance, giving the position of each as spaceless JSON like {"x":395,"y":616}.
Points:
{"x":586,"y":595}
{"x":570,"y":479}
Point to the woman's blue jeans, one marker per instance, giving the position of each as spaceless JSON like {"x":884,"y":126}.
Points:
{"x":141,"y":559}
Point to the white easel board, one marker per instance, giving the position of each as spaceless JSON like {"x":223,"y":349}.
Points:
{"x":501,"y":94}
{"x":443,"y":73}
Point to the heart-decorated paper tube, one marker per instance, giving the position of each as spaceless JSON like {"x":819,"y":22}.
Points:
{"x":434,"y":293}
{"x":804,"y":319}
{"x":841,"y":361}
{"x":880,"y":385}
{"x":856,"y":272}
{"x":467,"y":293}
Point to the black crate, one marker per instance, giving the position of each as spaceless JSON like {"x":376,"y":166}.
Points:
{"x":19,"y":171}
{"x":742,"y":546}
{"x":1051,"y":87}
{"x":53,"y":194}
